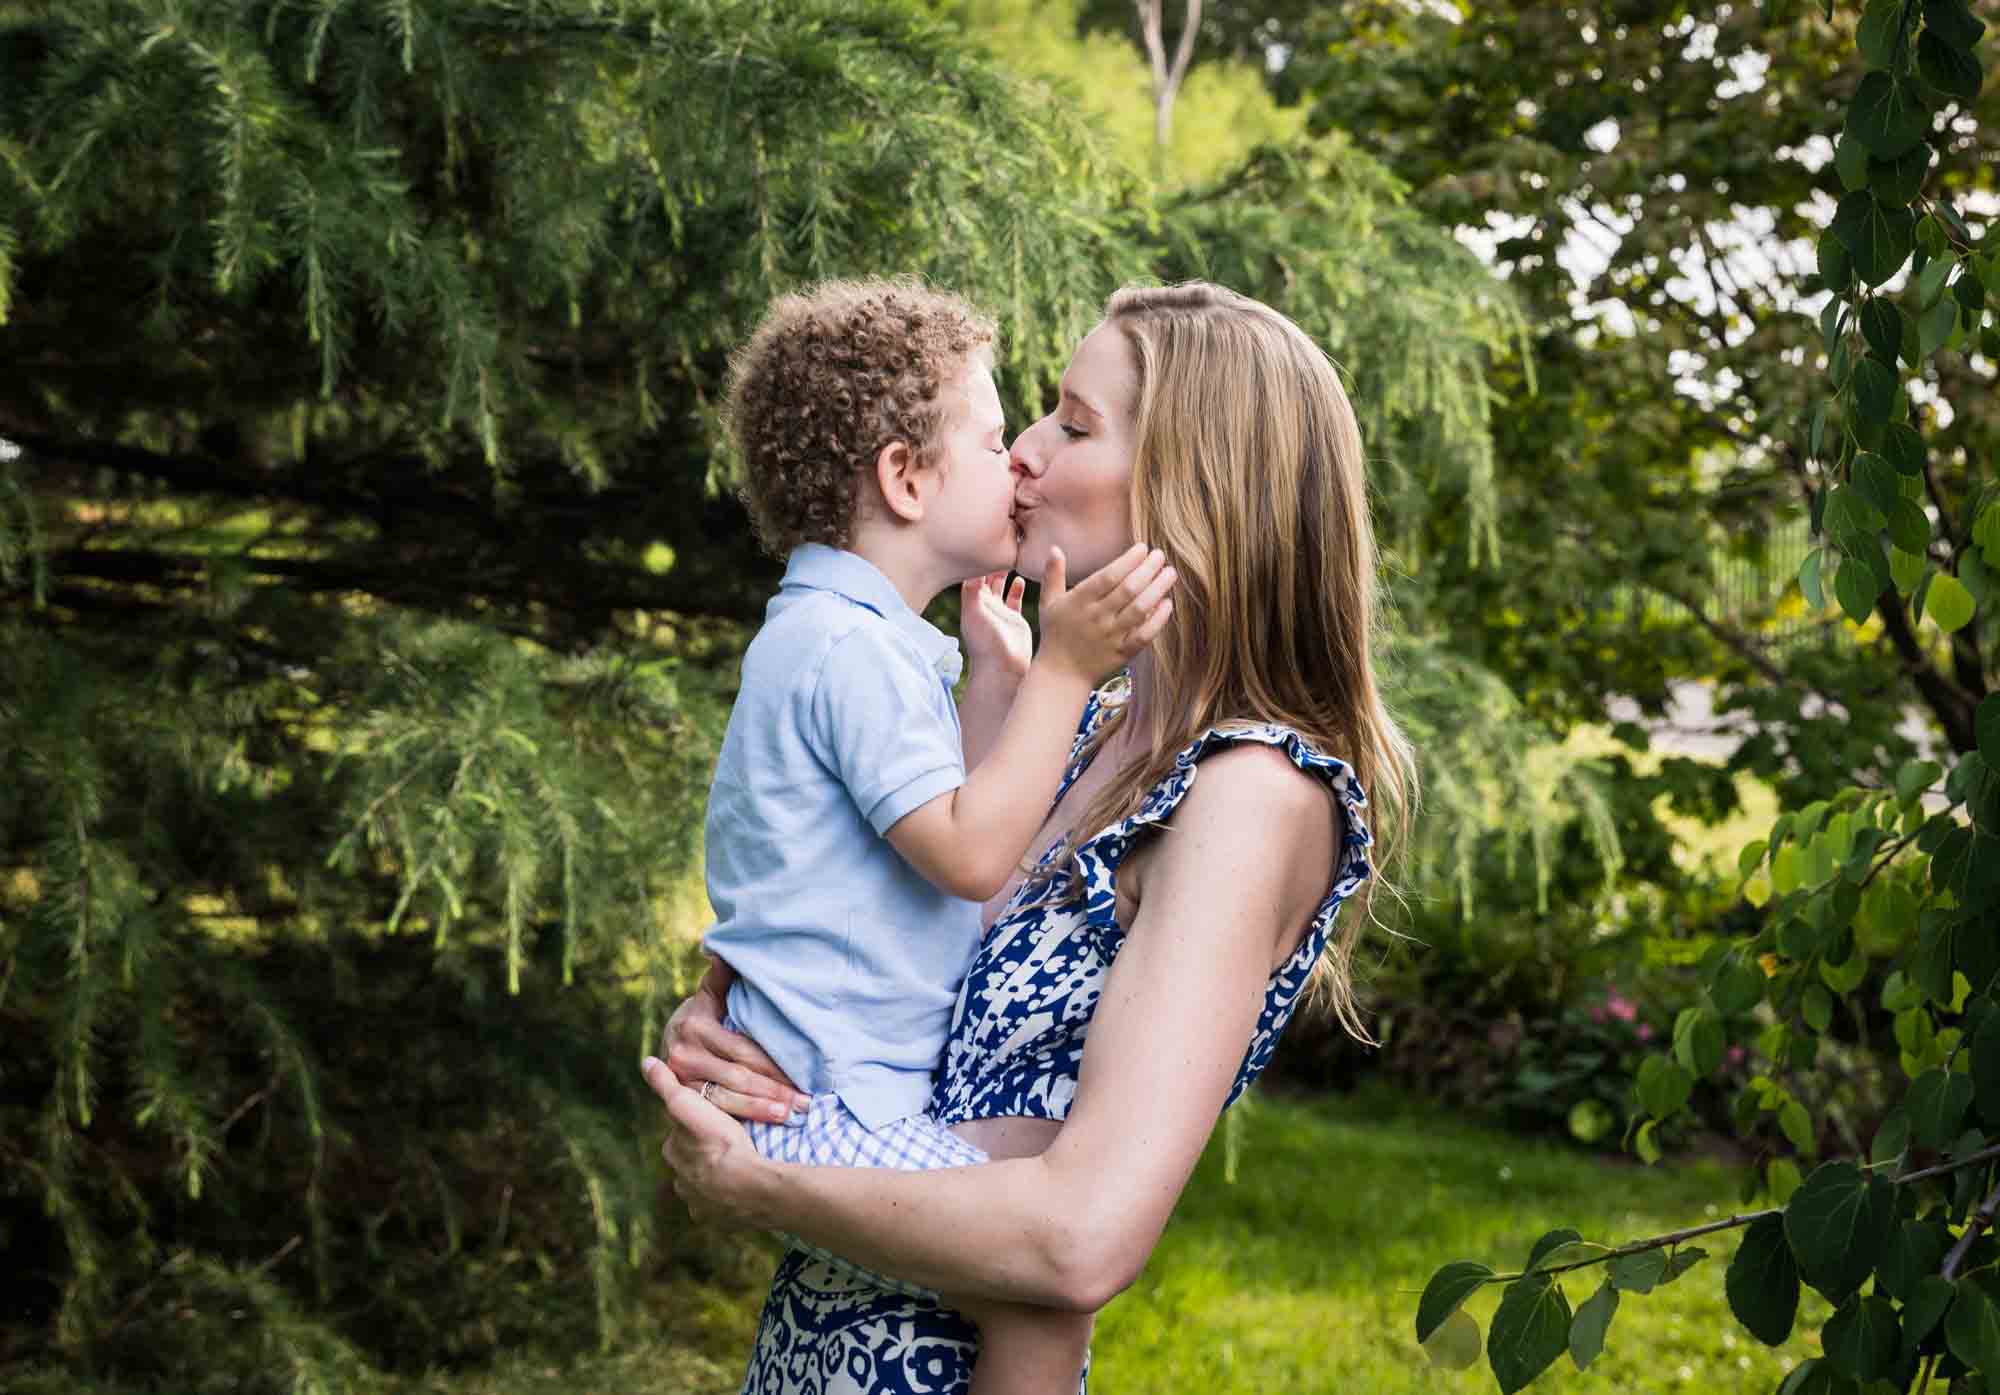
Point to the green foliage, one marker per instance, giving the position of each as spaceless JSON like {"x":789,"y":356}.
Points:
{"x":1902,"y":860}
{"x":371,"y":588}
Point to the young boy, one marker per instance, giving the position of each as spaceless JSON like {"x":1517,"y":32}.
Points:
{"x":848,"y":843}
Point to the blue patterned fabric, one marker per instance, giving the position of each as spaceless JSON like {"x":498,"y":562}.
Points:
{"x":1016,"y":1045}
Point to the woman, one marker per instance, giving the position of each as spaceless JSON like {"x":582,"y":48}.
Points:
{"x":1136,"y":980}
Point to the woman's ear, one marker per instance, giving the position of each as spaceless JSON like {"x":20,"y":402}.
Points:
{"x":899,"y":480}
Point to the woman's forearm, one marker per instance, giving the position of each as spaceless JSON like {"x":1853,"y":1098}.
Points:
{"x":1015,"y":1230}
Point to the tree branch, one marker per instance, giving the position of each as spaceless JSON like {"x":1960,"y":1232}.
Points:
{"x":1676,"y":1237}
{"x":1949,"y":703}
{"x":1978,"y":1222}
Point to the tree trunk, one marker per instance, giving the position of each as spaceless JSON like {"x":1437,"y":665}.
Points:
{"x":1167,"y":76}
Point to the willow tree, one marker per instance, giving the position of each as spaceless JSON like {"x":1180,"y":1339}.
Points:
{"x":370,"y":579}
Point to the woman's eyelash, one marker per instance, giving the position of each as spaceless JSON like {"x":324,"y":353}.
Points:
{"x":1070,"y":431}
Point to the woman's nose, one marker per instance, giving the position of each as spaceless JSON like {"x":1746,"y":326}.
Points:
{"x":1026,"y":461}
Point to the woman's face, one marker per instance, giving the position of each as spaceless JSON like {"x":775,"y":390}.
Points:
{"x":1073,"y":468}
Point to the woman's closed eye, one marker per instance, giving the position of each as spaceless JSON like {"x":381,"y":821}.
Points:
{"x":1075,"y":433}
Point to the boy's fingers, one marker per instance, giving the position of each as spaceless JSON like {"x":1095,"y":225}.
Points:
{"x":1055,"y":580}
{"x":1150,"y":631}
{"x":1144,"y":603}
{"x":1114,"y":573}
{"x":1015,"y":592}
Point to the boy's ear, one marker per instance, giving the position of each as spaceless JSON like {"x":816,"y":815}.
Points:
{"x":899,"y":478}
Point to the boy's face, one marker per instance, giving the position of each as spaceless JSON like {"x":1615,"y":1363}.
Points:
{"x":969,"y":521}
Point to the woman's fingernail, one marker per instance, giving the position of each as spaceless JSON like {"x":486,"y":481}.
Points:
{"x":648,"y":1064}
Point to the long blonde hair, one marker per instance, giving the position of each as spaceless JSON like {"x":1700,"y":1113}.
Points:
{"x":1248,"y":473}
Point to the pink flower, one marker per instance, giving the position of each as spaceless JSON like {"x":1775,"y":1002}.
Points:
{"x":1645,"y":1031}
{"x":1597,"y":1014}
{"x":1624,"y":1009}
{"x":1735,"y":1055}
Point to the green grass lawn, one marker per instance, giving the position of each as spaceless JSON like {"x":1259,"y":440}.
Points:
{"x":1304,"y":1274}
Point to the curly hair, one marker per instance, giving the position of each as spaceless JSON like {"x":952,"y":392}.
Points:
{"x":832,"y":375}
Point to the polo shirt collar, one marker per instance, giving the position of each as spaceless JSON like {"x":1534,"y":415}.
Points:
{"x":817,"y":567}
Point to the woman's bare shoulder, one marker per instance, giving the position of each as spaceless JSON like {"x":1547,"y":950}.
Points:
{"x":1254,"y":809}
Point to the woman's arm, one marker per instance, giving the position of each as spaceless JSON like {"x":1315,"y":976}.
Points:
{"x":1225,"y":895}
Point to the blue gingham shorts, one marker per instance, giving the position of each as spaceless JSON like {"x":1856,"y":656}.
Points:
{"x":832,"y":1137}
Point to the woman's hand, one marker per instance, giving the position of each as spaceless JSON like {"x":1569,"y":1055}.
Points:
{"x":700,"y":1051}
{"x":996,"y":636}
{"x":713,"y":1163}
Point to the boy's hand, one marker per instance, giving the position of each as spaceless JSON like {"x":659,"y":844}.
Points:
{"x":996,"y":636}
{"x":1109,"y":617}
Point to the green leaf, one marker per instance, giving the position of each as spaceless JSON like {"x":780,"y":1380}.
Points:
{"x":1845,"y":976}
{"x":1952,"y":71}
{"x":1796,"y":1125}
{"x":1698,"y":1041}
{"x":1882,"y":327}
{"x":1986,"y":533}
{"x":1862,"y":1337}
{"x":1877,"y":236}
{"x":1903,"y":448}
{"x":1930,"y":285}
{"x":1816,"y":1006}
{"x":1548,"y":1244}
{"x":1915,"y":777}
{"x":1906,"y":569}
{"x":1880,"y":33}
{"x":1952,"y":21}
{"x":1447,"y":1292}
{"x":1910,"y":530}
{"x":1851,"y":162}
{"x":1935,"y":325}
{"x":1835,"y":262}
{"x":1891,"y":1141}
{"x":1937,"y":1102}
{"x":1762,"y":1282}
{"x":1455,"y":1344}
{"x":1928,"y":1300}
{"x":1592,"y":1321}
{"x":1875,"y":389}
{"x":1816,"y":1376}
{"x":1781,"y":1179}
{"x":1857,"y":587}
{"x":1950,"y":604}
{"x":1838,"y":1223}
{"x":1985,"y":1061}
{"x":1931,"y":236}
{"x":1914,"y":1251}
{"x":1986,"y":728}
{"x":1972,"y":1327}
{"x":1875,"y":480}
{"x":1663,"y":1086}
{"x":1680,"y":1261}
{"x":1637,"y":1273}
{"x":1897,"y":182}
{"x":1809,"y":584}
{"x":1738,"y":985}
{"x":1530,"y":1329}
{"x":1887,"y":116}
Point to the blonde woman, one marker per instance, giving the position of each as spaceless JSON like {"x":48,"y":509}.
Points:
{"x":1136,"y":979}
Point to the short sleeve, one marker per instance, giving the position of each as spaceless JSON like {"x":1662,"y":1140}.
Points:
{"x":883,"y":723}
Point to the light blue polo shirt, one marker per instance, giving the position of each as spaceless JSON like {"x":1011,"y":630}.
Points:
{"x":849,"y":960}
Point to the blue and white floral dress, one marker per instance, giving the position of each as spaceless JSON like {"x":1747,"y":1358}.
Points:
{"x":1015,"y":1049}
